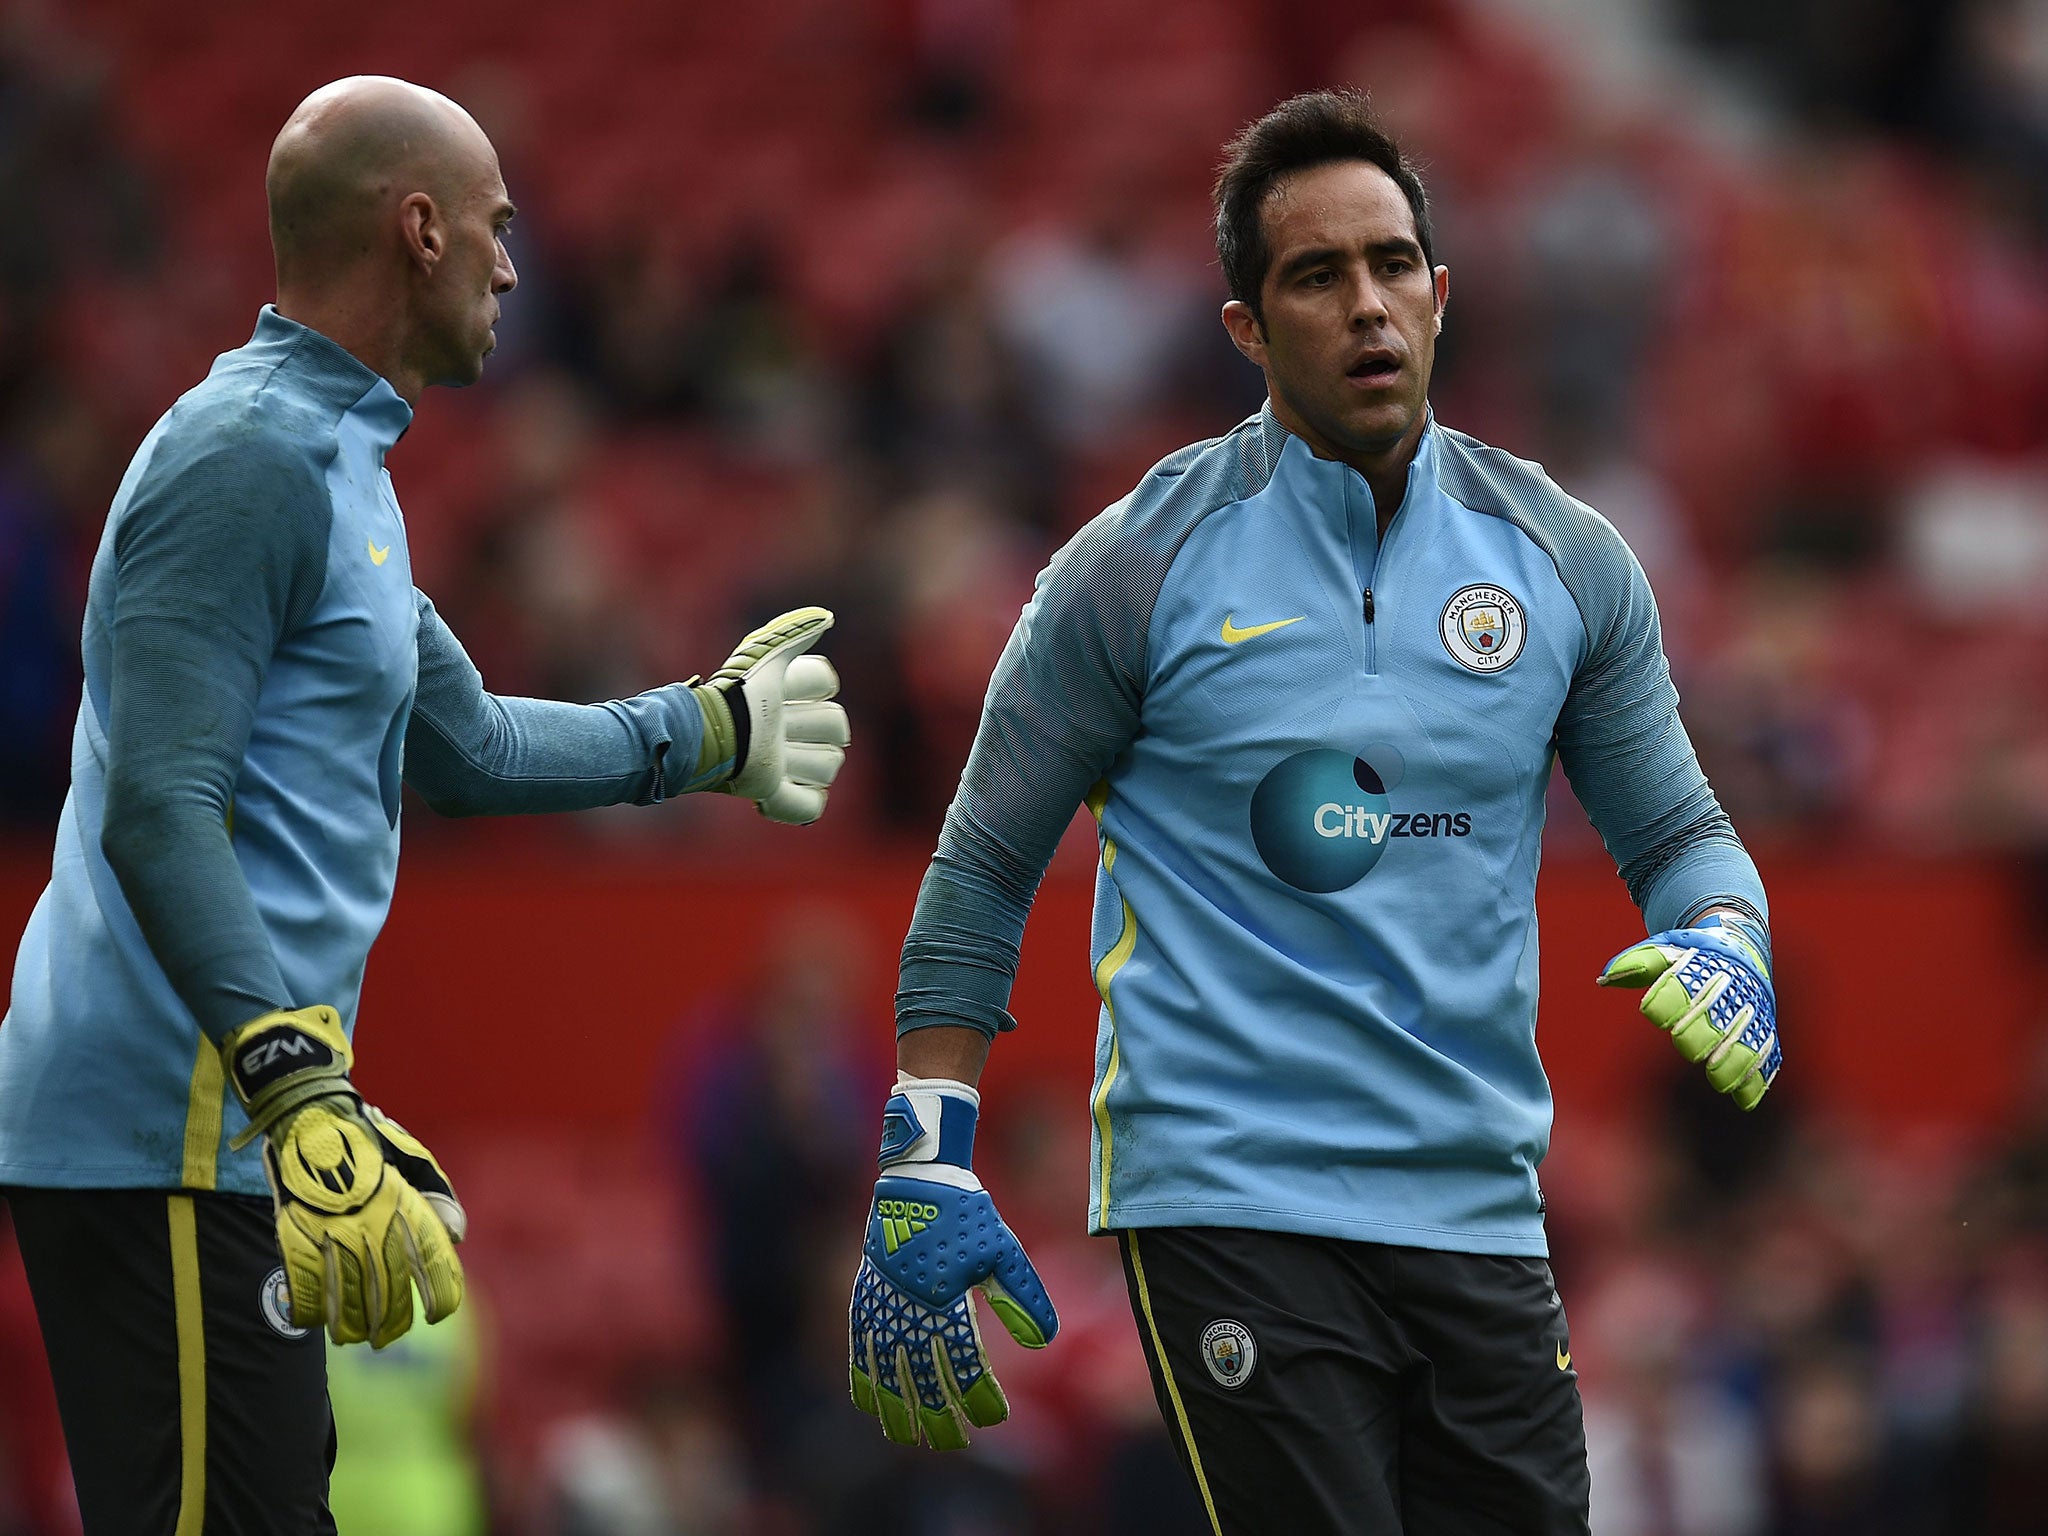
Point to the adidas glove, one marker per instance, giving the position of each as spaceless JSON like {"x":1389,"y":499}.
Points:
{"x":364,"y":1213}
{"x":933,"y":1238}
{"x":769,"y":713}
{"x":1710,"y":990}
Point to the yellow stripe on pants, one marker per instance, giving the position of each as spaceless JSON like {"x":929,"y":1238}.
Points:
{"x":1180,"y":1412}
{"x":187,"y":1303}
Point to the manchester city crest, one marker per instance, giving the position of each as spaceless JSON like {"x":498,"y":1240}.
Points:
{"x":1230,"y":1352}
{"x":275,"y":1299}
{"x":1483,"y":627}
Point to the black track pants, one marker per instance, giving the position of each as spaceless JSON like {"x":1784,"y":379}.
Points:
{"x":1316,"y":1387}
{"x":190,"y":1404}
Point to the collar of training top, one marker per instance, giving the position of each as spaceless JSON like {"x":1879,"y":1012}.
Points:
{"x":364,"y":392}
{"x":1326,"y":481}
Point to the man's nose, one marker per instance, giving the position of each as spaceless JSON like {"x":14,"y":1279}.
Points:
{"x":506,"y":277}
{"x":1368,"y":307}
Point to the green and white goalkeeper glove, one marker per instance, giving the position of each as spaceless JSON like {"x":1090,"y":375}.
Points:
{"x":769,"y":713}
{"x":1710,"y":990}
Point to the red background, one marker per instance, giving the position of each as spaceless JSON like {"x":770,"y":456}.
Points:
{"x":545,"y":988}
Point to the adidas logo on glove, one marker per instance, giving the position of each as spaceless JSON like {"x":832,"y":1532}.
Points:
{"x":902,"y":1220}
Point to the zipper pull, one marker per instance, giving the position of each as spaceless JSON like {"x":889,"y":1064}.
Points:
{"x":1368,"y":605}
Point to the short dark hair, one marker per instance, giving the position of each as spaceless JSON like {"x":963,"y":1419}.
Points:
{"x":1304,"y":131}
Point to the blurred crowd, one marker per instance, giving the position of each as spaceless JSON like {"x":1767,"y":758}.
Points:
{"x":872,"y":305}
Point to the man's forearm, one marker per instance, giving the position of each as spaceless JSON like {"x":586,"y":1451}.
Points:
{"x":943,"y":1050}
{"x":513,"y":756}
{"x":180,"y":878}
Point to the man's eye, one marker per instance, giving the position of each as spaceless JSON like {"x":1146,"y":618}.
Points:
{"x":1321,"y":279}
{"x":1395,"y":268}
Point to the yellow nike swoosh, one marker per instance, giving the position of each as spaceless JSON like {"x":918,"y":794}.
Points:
{"x":379,"y":556}
{"x":1564,"y":1358}
{"x":1232,"y":635}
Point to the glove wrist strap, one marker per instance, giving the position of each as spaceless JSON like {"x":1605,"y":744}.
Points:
{"x":929,"y":1120}
{"x":282,"y":1061}
{"x":728,"y":732}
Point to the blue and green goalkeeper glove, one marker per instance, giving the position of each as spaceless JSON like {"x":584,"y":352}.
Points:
{"x":916,"y":1358}
{"x":1710,"y":990}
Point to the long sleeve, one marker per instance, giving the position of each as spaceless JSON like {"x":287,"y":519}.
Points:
{"x":214,"y":563}
{"x":472,"y":753}
{"x":1632,"y":765}
{"x":1063,"y":702}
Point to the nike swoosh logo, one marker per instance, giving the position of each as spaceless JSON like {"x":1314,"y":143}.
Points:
{"x":1232,"y":635}
{"x":1564,"y":1358}
{"x":379,"y":556}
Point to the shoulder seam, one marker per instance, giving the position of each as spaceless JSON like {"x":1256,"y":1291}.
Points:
{"x":1231,"y":439}
{"x":330,"y":434}
{"x":1474,"y":446}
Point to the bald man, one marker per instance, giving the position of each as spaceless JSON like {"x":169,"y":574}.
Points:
{"x":197,"y":1189}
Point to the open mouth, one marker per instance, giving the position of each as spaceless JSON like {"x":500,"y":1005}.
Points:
{"x":1374,"y":368}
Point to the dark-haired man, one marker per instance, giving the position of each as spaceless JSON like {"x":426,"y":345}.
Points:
{"x":197,"y":1188}
{"x":1311,"y":678}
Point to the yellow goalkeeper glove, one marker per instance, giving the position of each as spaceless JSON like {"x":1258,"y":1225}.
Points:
{"x":364,"y":1213}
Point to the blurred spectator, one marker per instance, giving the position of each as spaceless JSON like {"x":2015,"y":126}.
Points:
{"x":959,"y":575}
{"x":72,"y":202}
{"x":667,"y":1465}
{"x":1829,"y":1447}
{"x":1999,"y":100}
{"x":664,"y":335}
{"x":1671,"y":1453}
{"x":1976,"y":541}
{"x":539,"y":597}
{"x":2007,"y":1200}
{"x":775,"y":1120}
{"x":1104,"y":323}
{"x":404,"y":1421}
{"x":2003,"y":1478}
{"x":957,"y":49}
{"x":1786,"y":751}
{"x":945,"y":400}
{"x":38,"y":651}
{"x":1597,"y":249}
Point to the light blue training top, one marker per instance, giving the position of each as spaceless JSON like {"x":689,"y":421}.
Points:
{"x":259,"y":674}
{"x":1318,"y":761}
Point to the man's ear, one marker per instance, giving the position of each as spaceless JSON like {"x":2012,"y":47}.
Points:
{"x":1246,"y":333}
{"x":419,"y":223}
{"x":1440,"y":280}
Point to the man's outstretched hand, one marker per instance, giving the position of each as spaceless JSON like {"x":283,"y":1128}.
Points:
{"x":770,"y":722}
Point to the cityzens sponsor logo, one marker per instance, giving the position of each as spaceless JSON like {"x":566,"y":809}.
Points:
{"x":1322,"y":819}
{"x":1334,"y":820}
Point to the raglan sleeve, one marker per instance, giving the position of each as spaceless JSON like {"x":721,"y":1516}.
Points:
{"x":217,"y":557}
{"x":1063,"y":702}
{"x":469,"y":752}
{"x":1629,"y":760}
